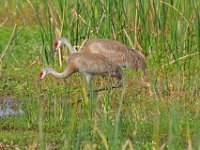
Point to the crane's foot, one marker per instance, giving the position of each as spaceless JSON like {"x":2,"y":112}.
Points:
{"x":99,"y":90}
{"x":120,"y":84}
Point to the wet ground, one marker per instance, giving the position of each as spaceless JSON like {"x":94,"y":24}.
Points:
{"x":10,"y":107}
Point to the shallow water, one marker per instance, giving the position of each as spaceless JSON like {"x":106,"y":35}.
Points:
{"x":10,"y":107}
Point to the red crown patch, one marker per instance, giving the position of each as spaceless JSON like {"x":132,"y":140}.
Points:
{"x":41,"y":74}
{"x":56,"y":43}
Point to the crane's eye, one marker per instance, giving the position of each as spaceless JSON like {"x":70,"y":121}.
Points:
{"x":56,"y":43}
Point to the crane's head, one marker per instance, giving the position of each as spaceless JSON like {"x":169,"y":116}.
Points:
{"x":57,"y":44}
{"x":42,"y":74}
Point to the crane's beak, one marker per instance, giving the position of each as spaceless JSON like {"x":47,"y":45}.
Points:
{"x":53,"y":53}
{"x":38,"y":82}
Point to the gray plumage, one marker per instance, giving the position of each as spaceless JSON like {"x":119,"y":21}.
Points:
{"x":89,"y":64}
{"x":115,"y":51}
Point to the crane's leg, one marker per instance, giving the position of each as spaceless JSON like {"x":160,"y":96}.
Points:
{"x":120,"y":84}
{"x":89,"y":82}
{"x":88,"y":78}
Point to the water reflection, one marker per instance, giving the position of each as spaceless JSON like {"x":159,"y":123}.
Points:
{"x":10,"y":107}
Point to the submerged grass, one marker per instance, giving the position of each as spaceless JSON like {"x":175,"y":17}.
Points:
{"x":157,"y":112}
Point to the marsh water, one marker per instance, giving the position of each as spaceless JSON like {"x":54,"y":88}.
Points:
{"x":10,"y":107}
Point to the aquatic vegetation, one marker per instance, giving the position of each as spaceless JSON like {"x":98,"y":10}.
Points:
{"x":160,"y":111}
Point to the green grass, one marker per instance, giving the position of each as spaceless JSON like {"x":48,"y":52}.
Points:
{"x":160,"y":111}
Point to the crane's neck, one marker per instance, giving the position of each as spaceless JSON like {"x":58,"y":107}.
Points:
{"x":69,"y":45}
{"x":63,"y":74}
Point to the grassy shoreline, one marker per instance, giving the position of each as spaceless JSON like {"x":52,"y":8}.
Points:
{"x":160,"y":111}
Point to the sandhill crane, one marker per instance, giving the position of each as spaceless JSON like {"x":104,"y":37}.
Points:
{"x":88,"y":64}
{"x":113,"y":50}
